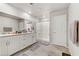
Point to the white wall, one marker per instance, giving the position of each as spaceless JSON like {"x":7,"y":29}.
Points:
{"x":8,"y":22}
{"x":73,"y":14}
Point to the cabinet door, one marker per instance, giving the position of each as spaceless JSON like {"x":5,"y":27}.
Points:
{"x":3,"y":47}
{"x":17,"y":43}
{"x":28,"y":39}
{"x":13,"y":45}
{"x":10,"y":45}
{"x":21,"y":41}
{"x":33,"y":39}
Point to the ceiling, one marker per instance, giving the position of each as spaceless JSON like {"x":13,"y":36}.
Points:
{"x":39,"y":10}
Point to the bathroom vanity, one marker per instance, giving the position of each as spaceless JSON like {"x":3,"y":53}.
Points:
{"x":12,"y":43}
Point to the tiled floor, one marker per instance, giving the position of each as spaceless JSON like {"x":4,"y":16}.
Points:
{"x":42,"y":49}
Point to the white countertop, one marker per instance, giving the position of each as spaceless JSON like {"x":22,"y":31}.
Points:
{"x":16,"y":34}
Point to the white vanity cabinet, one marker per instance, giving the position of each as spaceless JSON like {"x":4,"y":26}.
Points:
{"x":11,"y":44}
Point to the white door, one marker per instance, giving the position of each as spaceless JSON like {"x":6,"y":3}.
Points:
{"x":59,"y":30}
